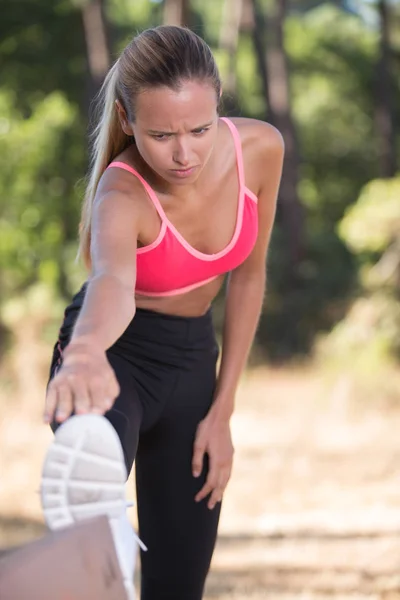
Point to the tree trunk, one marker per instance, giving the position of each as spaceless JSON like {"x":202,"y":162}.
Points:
{"x":97,"y":49}
{"x":384,"y":108}
{"x":230,"y":28}
{"x":275,"y":77}
{"x":177,"y":12}
{"x":259,"y":26}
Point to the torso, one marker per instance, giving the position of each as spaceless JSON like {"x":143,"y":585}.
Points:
{"x":206,"y":219}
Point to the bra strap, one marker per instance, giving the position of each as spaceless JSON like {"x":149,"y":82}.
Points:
{"x":238,"y":149}
{"x":151,"y":193}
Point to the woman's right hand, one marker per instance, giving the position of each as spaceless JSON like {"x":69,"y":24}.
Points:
{"x":85,"y":383}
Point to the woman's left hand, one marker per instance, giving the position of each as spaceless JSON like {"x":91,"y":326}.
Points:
{"x":213,"y":437}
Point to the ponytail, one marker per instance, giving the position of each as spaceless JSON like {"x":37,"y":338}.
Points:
{"x":108,"y":140}
{"x":157,"y":57}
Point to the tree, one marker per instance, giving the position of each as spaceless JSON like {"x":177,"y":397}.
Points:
{"x":383,"y":93}
{"x":273,"y":65}
{"x":384,"y":107}
{"x":177,"y":12}
{"x":97,"y":48}
{"x":229,"y":35}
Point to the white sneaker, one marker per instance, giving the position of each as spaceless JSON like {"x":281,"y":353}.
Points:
{"x":84,"y":476}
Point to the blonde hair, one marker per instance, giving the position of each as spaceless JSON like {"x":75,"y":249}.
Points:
{"x":162,"y":56}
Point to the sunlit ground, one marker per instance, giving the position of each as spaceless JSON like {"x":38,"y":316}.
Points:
{"x":313,"y":507}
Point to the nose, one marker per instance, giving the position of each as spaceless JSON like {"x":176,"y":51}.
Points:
{"x":181,"y":153}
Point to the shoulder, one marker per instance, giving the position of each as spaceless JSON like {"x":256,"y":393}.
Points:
{"x":258,"y":137}
{"x":263,"y":152}
{"x":120,"y":186}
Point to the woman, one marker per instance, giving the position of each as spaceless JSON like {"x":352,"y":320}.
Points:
{"x":177,"y":198}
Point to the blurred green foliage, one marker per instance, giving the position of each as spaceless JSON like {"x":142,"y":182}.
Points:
{"x":37,"y":197}
{"x":369,"y":335}
{"x":43,"y":153}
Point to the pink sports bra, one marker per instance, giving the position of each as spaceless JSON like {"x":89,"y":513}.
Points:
{"x":170,"y":265}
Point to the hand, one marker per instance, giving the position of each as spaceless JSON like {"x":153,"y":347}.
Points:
{"x":86,"y":383}
{"x":213,"y":437}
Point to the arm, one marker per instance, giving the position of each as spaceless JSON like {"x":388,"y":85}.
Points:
{"x":244,"y":302}
{"x":86,"y":382}
{"x":109,"y":303}
{"x":246,"y":285}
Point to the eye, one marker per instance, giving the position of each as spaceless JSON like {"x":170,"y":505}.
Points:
{"x":200,"y":131}
{"x":161,"y":136}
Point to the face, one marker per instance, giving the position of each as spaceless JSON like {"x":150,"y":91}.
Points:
{"x":175,"y":131}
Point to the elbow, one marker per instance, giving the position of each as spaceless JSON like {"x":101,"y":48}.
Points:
{"x":125,"y":281}
{"x":247,"y":285}
{"x":249,"y":277}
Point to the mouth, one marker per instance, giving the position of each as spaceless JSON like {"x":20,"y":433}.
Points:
{"x":184,"y":172}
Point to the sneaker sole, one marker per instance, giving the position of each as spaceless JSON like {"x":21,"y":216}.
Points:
{"x":84,"y":475}
{"x":84,"y":472}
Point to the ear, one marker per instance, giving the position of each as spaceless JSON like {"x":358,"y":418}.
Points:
{"x":123,"y":119}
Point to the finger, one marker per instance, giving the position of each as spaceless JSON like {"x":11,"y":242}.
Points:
{"x":204,"y":492}
{"x":108,"y":393}
{"x":208,"y":487}
{"x":50,"y":403}
{"x":113,"y":386}
{"x":81,"y":397}
{"x":113,"y":390}
{"x":64,"y":402}
{"x":99,"y":400}
{"x":219,"y":489}
{"x":198,"y":459}
{"x":211,"y":481}
{"x":216,"y":496}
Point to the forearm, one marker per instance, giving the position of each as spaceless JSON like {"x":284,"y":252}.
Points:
{"x":108,"y":308}
{"x":243,"y":308}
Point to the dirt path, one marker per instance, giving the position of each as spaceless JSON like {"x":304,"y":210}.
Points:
{"x":313,"y":507}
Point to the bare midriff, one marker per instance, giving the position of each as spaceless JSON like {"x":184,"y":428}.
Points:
{"x":190,"y":304}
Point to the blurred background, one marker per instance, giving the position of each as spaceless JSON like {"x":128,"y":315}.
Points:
{"x":313,"y":507}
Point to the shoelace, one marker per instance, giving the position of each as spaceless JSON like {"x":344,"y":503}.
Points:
{"x":129,"y":504}
{"x":143,"y":546}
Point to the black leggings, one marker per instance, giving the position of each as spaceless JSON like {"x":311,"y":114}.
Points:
{"x":166,"y":369}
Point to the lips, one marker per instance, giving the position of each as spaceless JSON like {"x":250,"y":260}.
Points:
{"x":184,"y":172}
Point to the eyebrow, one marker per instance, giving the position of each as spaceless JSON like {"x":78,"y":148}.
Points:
{"x":157,"y":131}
